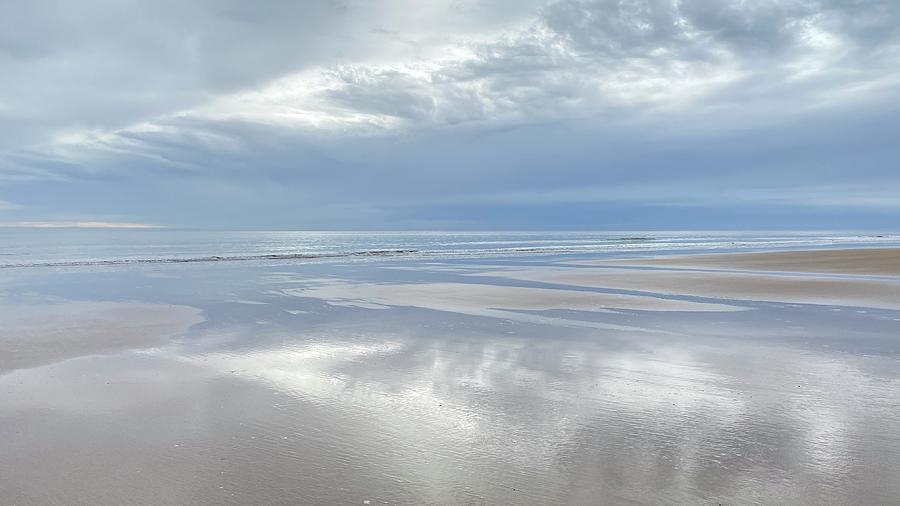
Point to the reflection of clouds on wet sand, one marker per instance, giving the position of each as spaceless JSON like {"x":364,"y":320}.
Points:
{"x":676,"y":421}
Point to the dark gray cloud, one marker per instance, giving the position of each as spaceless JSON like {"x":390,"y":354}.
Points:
{"x":458,"y":114}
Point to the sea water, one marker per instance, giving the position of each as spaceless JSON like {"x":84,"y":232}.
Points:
{"x":21,"y":247}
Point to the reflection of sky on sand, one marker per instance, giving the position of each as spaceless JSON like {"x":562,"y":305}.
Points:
{"x":668,"y":420}
{"x":502,"y":404}
{"x":461,"y":399}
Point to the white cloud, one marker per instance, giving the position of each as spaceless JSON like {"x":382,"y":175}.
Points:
{"x":574,"y":59}
{"x":390,"y":85}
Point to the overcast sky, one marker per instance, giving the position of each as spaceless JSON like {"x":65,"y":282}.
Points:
{"x":451,"y":114}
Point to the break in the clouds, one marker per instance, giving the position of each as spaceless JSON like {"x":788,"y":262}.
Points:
{"x":451,"y":114}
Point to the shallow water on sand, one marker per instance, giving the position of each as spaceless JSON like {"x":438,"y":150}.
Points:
{"x":304,"y":384}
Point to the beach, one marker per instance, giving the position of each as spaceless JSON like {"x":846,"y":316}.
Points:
{"x":632,"y":377}
{"x":455,"y":252}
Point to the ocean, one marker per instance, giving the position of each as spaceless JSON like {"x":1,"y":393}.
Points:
{"x":21,"y":247}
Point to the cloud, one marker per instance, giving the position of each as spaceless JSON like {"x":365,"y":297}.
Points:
{"x":101,"y":64}
{"x":345,"y":113}
{"x":581,"y":58}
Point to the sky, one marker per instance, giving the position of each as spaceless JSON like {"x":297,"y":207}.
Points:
{"x":451,"y":114}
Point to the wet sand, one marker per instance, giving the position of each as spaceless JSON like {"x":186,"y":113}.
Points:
{"x":560,"y":381}
{"x":33,"y":335}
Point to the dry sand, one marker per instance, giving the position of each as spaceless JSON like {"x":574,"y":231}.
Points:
{"x":798,"y":287}
{"x":475,"y":298}
{"x":875,"y":261}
